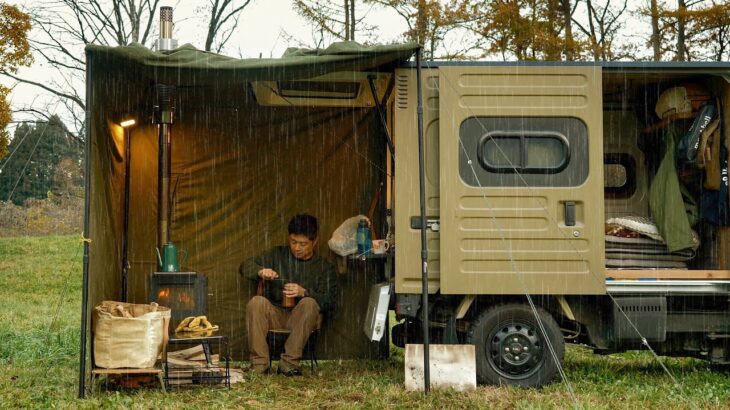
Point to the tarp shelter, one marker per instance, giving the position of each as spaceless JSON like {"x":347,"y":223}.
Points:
{"x":240,"y":170}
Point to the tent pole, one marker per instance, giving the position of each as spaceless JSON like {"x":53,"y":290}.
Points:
{"x":424,"y":227}
{"x":381,"y":115}
{"x":125,"y":235}
{"x":87,"y":207}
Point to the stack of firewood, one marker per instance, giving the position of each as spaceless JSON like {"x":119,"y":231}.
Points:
{"x":189,"y":366}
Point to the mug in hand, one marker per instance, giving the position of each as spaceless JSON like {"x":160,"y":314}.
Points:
{"x":287,"y":301}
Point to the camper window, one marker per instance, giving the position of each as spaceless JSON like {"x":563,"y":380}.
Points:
{"x":523,"y":151}
{"x":619,"y":175}
{"x":538,"y":153}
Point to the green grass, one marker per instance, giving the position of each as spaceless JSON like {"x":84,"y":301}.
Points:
{"x":40,"y":297}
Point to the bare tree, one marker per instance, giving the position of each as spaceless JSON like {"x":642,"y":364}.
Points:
{"x":603,"y":25}
{"x":331,"y":20}
{"x":63,"y":28}
{"x":224,"y":15}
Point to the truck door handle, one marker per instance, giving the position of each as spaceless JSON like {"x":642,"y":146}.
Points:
{"x":569,"y":213}
{"x":431,"y":223}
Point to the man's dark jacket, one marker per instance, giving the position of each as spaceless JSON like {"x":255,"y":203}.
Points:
{"x":316,"y":275}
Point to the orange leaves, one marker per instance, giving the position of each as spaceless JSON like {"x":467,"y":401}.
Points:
{"x":14,"y":47}
{"x":14,"y":52}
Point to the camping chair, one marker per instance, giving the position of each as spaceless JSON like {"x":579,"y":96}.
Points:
{"x":276,"y":338}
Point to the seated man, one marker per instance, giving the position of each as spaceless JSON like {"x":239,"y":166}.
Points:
{"x":296,"y":272}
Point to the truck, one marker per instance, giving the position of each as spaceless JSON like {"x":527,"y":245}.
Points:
{"x":524,"y":165}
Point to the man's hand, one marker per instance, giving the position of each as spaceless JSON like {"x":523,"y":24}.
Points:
{"x":293,"y":290}
{"x":268,"y":274}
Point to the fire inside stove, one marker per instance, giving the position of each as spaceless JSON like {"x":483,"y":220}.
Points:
{"x":176,"y":298}
{"x":185,"y":293}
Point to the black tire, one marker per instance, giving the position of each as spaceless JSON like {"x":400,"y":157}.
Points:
{"x":511,"y":349}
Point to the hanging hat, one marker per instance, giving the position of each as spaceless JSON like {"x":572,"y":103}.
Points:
{"x":673,"y":101}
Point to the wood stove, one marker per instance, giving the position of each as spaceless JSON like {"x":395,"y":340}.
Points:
{"x":185,"y":293}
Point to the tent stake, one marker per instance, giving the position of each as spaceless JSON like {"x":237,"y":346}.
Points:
{"x":424,"y":227}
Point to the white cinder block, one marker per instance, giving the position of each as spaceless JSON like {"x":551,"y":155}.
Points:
{"x":451,"y":366}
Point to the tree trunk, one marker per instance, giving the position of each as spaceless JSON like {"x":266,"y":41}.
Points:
{"x":592,"y":35}
{"x":655,"y":41}
{"x":134,"y":20}
{"x":347,"y":20}
{"x":681,"y":46}
{"x":352,"y":20}
{"x":569,"y":41}
{"x":421,"y":23}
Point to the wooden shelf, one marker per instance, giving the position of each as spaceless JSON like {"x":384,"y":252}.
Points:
{"x":98,"y":371}
{"x":149,"y":370}
{"x":668,"y":120}
{"x":676,"y":274}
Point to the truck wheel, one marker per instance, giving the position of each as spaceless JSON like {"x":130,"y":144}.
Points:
{"x":512,"y":350}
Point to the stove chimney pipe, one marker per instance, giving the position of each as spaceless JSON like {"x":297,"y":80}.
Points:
{"x":166,"y":42}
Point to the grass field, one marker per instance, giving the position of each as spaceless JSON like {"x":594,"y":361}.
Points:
{"x":40,"y":297}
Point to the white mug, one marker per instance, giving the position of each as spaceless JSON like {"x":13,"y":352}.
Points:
{"x":380,"y":246}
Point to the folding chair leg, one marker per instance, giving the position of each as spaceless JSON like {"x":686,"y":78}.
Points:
{"x":312,"y":360}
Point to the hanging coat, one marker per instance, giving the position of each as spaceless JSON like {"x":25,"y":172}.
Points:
{"x":672,"y":207}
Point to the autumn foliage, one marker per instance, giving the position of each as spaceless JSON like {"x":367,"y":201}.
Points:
{"x":14,"y":52}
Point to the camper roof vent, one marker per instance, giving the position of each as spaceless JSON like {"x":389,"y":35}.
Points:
{"x":401,"y":91}
{"x":335,"y":89}
{"x":319,"y":89}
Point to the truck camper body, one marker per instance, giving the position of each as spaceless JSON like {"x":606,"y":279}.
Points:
{"x":543,"y":181}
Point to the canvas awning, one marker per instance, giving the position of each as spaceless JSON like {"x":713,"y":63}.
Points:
{"x":240,"y":170}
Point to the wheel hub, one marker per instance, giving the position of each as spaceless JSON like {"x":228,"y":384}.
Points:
{"x":516,"y":350}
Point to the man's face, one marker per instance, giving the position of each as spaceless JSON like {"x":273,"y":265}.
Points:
{"x":301,"y":246}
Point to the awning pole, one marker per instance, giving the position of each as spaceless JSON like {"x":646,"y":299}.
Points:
{"x":87,"y":206}
{"x":424,"y":227}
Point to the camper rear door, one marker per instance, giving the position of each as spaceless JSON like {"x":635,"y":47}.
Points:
{"x":521,"y":180}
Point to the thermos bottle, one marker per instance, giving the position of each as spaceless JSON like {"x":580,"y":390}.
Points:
{"x":364,"y":243}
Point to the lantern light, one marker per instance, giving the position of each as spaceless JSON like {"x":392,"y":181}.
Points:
{"x":127,"y":123}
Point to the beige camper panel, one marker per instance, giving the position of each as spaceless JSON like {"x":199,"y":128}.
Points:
{"x":508,"y":235}
{"x":406,"y":184}
{"x":539,"y":231}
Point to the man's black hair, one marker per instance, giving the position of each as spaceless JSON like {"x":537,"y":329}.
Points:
{"x":304,"y":224}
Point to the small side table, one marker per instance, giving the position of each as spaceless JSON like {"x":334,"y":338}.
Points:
{"x":205,"y":341}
